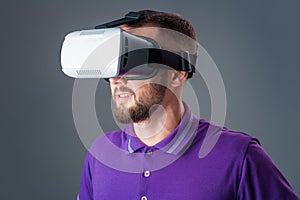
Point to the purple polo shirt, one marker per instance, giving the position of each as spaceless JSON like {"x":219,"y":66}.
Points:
{"x":119,"y":166}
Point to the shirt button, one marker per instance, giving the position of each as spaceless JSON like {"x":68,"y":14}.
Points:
{"x":144,"y":198}
{"x":147,"y":173}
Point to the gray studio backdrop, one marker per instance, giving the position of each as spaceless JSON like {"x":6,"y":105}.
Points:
{"x":255,"y":45}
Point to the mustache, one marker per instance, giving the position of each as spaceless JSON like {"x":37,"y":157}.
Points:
{"x":123,"y":89}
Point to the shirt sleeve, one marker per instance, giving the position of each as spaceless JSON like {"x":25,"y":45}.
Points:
{"x":261,"y":179}
{"x":86,"y":189}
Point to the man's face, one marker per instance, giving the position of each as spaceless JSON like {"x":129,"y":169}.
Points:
{"x":134,"y":100}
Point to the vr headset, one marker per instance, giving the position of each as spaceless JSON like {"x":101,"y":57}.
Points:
{"x":108,"y":51}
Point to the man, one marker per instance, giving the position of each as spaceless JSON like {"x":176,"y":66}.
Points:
{"x":158,"y":157}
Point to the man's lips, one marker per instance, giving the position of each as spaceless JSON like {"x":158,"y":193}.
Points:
{"x":123,"y":96}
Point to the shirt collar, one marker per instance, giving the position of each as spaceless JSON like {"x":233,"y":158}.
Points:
{"x":175,"y":143}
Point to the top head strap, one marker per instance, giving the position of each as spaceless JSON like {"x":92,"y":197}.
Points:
{"x":130,"y":17}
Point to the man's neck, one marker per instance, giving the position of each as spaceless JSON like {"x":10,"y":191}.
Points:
{"x":161,"y":123}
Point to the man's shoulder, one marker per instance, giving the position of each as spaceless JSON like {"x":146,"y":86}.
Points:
{"x":107,"y":147}
{"x":221,"y":139}
{"x":116,"y":137}
{"x":239,"y":136}
{"x":212,"y":129}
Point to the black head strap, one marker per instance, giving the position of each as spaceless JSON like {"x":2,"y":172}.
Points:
{"x":182,"y":62}
{"x":131,"y":17}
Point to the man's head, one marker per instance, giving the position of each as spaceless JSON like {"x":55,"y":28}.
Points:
{"x":170,"y":21}
{"x":135,"y":99}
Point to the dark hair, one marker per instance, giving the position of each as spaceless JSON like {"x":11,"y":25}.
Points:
{"x":166,"y":20}
{"x":171,"y":21}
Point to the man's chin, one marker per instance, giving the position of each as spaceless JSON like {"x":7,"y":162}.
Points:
{"x":122,"y":117}
{"x":122,"y":114}
{"x":124,"y":107}
{"x":124,"y":104}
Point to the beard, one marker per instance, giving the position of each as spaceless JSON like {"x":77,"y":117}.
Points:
{"x":150,"y":95}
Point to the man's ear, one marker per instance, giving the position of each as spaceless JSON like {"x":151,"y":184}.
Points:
{"x":178,"y":78}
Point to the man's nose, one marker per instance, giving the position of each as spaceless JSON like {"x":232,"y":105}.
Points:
{"x":118,"y":80}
